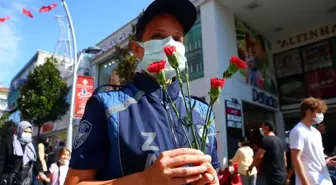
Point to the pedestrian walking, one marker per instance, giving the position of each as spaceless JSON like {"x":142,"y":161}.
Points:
{"x":59,"y":169}
{"x":127,"y":136}
{"x":309,"y":161}
{"x":272,"y":153}
{"x":244,"y":158}
{"x":21,"y":158}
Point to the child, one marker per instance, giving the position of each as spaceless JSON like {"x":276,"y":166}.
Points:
{"x":59,"y":170}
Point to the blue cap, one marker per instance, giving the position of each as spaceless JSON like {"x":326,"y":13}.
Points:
{"x":183,"y":10}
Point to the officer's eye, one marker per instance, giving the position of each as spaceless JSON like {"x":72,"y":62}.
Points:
{"x":178,"y":39}
{"x":157,"y":36}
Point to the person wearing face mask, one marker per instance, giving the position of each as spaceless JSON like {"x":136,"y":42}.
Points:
{"x":126,"y":136}
{"x":59,"y":169}
{"x":272,"y":153}
{"x":309,"y":161}
{"x":244,"y":158}
{"x":21,"y":158}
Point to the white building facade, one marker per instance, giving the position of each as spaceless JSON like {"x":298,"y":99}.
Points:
{"x":3,"y":99}
{"x":291,"y":56}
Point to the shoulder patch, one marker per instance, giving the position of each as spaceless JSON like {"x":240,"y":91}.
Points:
{"x":84,"y":130}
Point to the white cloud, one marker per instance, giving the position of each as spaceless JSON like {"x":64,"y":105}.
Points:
{"x":10,"y":40}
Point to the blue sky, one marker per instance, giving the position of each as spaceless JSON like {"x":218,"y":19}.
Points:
{"x":21,"y":37}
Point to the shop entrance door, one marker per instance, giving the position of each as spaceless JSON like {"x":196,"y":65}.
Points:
{"x":253,"y":117}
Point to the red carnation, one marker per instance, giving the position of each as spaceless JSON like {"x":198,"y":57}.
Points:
{"x":169,"y":50}
{"x":237,"y":62}
{"x":157,"y":67}
{"x":217,"y":83}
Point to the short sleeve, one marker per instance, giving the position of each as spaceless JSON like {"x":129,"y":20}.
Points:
{"x":296,"y":140}
{"x":91,"y":143}
{"x":264,"y":143}
{"x":52,"y":168}
{"x":236,"y":157}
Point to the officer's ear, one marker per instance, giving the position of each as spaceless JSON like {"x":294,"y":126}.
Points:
{"x":138,"y":51}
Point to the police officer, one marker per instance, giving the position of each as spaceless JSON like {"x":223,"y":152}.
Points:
{"x":127,"y":136}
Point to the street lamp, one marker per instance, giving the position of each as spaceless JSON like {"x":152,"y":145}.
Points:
{"x":76,"y":61}
{"x":89,"y":50}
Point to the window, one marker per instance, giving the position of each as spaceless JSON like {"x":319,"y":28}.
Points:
{"x":194,"y":52}
{"x":105,"y":71}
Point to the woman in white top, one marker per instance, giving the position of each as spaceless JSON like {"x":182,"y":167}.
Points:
{"x":244,"y":158}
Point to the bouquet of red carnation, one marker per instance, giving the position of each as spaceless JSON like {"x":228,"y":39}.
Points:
{"x":217,"y":84}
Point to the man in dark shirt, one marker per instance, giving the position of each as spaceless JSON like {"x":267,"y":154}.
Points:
{"x":272,"y":153}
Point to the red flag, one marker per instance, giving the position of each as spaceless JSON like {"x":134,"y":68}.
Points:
{"x":47,"y":8}
{"x":4,"y":19}
{"x":27,"y":13}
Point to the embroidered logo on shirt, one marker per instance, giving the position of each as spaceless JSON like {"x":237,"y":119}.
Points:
{"x":82,"y":134}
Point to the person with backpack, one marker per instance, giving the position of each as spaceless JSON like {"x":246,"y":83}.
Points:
{"x":59,"y":169}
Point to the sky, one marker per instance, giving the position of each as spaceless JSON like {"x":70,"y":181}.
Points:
{"x":21,"y":36}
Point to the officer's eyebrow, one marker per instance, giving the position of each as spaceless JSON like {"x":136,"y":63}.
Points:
{"x":178,"y":33}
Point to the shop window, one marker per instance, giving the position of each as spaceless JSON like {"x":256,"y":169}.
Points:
{"x":105,"y":71}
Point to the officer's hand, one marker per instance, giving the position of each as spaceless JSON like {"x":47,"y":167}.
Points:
{"x":168,"y":170}
{"x":210,"y":177}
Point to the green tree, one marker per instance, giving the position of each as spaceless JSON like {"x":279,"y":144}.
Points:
{"x":128,"y":62}
{"x":43,"y":96}
{"x":4,"y":125}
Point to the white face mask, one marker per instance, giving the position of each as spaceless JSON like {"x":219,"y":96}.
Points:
{"x":26,"y":137}
{"x":154,"y":52}
{"x":63,"y":162}
{"x":319,"y":118}
{"x":262,"y":131}
{"x":239,"y":145}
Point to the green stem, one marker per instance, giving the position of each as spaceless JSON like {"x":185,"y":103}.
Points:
{"x":207,"y":125}
{"x":176,"y":112}
{"x":188,"y":110}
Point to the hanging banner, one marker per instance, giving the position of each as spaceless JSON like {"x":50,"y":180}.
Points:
{"x":84,"y":90}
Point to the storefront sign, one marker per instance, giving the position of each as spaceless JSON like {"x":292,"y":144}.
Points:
{"x":322,"y":83}
{"x":264,"y":99}
{"x":84,"y":90}
{"x":114,"y":42}
{"x":233,"y":115}
{"x":310,"y":35}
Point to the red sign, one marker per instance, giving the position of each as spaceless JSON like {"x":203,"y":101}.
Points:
{"x":84,"y":90}
{"x":322,"y":83}
{"x":47,"y":127}
{"x":233,"y":111}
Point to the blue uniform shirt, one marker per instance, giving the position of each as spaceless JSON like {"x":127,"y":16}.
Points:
{"x":123,"y":132}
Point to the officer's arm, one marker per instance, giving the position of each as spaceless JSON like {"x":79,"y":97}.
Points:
{"x":86,"y":177}
{"x":90,"y":149}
